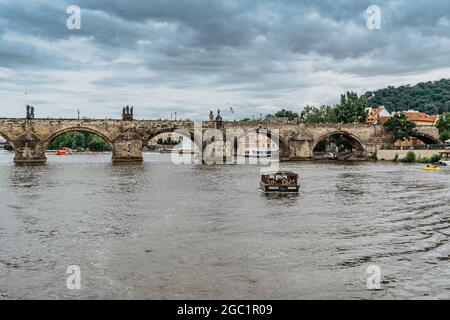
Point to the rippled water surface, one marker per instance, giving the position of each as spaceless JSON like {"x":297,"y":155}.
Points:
{"x":165,"y":231}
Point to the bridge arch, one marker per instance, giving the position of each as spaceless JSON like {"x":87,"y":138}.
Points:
{"x":184,"y":132}
{"x":54,"y":135}
{"x":180,"y":130}
{"x":282,"y":144}
{"x":427,"y":139}
{"x":154,"y":134}
{"x":353,"y":139}
{"x":8,"y":139}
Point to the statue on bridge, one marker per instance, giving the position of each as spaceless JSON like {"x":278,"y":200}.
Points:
{"x":218,"y":120}
{"x":127,"y":113}
{"x":218,"y":117}
{"x":211,"y":116}
{"x":302,"y":116}
{"x":30,"y":112}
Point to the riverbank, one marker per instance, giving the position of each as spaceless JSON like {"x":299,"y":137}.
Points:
{"x":392,"y":155}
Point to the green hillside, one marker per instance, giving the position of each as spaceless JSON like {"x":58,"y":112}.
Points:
{"x":430,"y":97}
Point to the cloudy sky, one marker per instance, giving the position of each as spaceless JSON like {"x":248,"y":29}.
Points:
{"x":191,"y":56}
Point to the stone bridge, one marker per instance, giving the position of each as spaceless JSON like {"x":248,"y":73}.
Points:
{"x":30,"y":137}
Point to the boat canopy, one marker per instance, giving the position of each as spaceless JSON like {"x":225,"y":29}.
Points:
{"x":280,"y":176}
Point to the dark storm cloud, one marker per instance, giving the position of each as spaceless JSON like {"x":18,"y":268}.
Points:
{"x":190,"y":30}
{"x":260,"y":48}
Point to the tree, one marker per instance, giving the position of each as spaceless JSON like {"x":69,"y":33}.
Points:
{"x":400,"y":127}
{"x":444,"y":126}
{"x":410,"y":157}
{"x":78,"y":141}
{"x":323,"y":114}
{"x":445,"y":135}
{"x":291,"y":115}
{"x":98,"y":144}
{"x":352,"y":108}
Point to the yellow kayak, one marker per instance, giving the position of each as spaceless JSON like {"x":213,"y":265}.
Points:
{"x":431,"y":169}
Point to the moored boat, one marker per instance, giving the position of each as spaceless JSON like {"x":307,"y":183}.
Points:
{"x":280,"y":182}
{"x":63,"y":152}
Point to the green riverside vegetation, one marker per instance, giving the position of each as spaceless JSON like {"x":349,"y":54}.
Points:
{"x":444,"y":126}
{"x":79,"y":140}
{"x":411,"y":158}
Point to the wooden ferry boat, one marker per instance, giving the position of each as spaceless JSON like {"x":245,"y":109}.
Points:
{"x":280,"y":181}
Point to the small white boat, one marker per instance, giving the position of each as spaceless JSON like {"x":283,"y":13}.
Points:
{"x":445,"y":158}
{"x":258,"y":153}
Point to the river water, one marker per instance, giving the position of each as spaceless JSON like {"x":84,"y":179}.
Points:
{"x":160,"y":230}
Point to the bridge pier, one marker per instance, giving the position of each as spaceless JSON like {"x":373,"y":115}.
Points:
{"x":127,"y":160}
{"x":29,"y":153}
{"x":127,"y":151}
{"x":30,"y":162}
{"x":301,"y":148}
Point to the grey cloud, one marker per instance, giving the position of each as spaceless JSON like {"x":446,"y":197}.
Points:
{"x":260,"y":49}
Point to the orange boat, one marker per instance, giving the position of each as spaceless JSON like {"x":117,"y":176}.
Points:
{"x":63,"y":152}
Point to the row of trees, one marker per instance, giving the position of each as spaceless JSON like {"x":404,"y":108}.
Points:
{"x":79,"y":141}
{"x":351,"y":109}
{"x":167,"y":141}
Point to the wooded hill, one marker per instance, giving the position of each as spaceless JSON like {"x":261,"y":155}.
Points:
{"x":432,"y":97}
